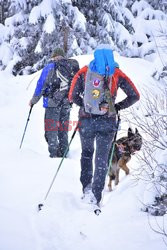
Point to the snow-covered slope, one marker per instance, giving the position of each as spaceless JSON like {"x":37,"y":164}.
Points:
{"x":64,"y":223}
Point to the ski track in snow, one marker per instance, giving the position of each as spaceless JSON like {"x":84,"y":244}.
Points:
{"x":65,"y":222}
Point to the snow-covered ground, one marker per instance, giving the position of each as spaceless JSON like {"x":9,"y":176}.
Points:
{"x":64,"y":223}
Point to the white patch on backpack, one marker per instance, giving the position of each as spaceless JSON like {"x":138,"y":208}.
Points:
{"x":64,"y":81}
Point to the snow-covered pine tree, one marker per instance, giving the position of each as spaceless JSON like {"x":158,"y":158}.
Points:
{"x":158,"y":4}
{"x":4,"y":5}
{"x":31,"y":30}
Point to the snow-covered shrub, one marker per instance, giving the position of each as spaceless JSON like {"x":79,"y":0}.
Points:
{"x":153,"y":156}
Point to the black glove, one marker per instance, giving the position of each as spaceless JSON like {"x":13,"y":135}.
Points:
{"x":117,"y":107}
{"x":83,"y":114}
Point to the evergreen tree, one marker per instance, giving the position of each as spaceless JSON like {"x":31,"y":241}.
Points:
{"x":31,"y":29}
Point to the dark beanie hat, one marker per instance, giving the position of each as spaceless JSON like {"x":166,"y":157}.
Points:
{"x":57,"y":52}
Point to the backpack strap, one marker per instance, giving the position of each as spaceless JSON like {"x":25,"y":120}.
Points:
{"x":108,"y":94}
{"x":80,"y":72}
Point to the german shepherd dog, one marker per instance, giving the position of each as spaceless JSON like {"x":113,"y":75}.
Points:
{"x":124,"y":148}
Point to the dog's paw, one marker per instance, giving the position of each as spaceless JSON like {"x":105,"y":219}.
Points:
{"x":127,"y":172}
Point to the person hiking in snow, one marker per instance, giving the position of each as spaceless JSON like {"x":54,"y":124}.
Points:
{"x":53,"y":85}
{"x":94,"y":89}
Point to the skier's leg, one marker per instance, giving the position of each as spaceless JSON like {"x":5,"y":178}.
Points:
{"x":51,"y":130}
{"x":63,"y":131}
{"x":103,"y":142}
{"x":87,"y":143}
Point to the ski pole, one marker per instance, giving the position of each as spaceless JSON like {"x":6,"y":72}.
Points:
{"x":60,"y":164}
{"x":31,"y":81}
{"x":113,"y":144}
{"x":26,"y":125}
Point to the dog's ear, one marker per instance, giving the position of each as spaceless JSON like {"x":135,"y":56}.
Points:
{"x":136,"y":131}
{"x":130,"y":132}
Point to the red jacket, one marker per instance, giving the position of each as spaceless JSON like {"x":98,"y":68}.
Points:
{"x":118,"y":79}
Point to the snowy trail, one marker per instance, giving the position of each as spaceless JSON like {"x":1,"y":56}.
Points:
{"x":64,"y":223}
{"x":65,"y":214}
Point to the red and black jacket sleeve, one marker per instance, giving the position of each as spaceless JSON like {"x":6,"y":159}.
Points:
{"x":77,"y":87}
{"x":123,"y":81}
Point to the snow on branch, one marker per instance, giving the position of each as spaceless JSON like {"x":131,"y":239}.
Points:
{"x":108,"y":22}
{"x":149,"y":14}
{"x":49,"y":25}
{"x":42,"y":10}
{"x":15,"y":19}
{"x":138,"y":7}
{"x":79,"y":20}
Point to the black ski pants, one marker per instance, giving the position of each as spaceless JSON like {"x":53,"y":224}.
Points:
{"x":100,"y":130}
{"x":56,"y":129}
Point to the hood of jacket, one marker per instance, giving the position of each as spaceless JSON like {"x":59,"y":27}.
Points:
{"x":103,"y":63}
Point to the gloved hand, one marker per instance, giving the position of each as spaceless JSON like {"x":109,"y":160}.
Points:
{"x":30,"y":103}
{"x":104,"y":107}
{"x":83,"y":114}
